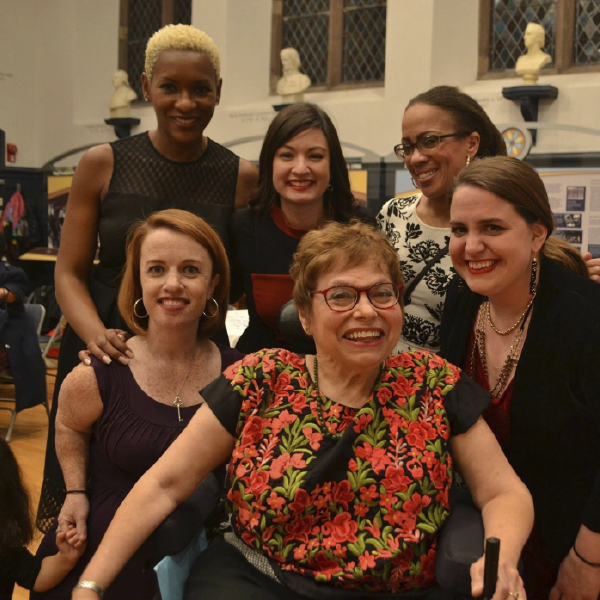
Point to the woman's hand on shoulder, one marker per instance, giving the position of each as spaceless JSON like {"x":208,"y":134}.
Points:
{"x":576,"y":580}
{"x":508,"y":584}
{"x":593,"y":265}
{"x":247,"y":183}
{"x":109,"y":345}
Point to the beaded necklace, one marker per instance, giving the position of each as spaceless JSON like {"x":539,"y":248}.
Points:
{"x":512,"y":327}
{"x":320,"y":402}
{"x":513,"y":355}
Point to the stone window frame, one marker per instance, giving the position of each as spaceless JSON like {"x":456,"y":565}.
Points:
{"x":335,"y":51}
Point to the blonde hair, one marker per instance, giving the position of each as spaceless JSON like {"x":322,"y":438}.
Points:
{"x":339,"y":246}
{"x":181,"y":37}
{"x":200,"y":231}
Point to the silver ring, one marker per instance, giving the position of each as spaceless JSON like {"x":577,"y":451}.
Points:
{"x":514,"y":595}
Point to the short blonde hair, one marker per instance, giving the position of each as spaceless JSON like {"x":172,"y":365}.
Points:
{"x":339,"y":246}
{"x":181,"y":37}
{"x":200,"y":231}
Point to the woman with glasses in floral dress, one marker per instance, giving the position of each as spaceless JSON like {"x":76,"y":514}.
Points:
{"x":339,"y":460}
{"x":443,"y":129}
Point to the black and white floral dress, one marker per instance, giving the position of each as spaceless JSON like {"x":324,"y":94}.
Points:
{"x":416,"y":243}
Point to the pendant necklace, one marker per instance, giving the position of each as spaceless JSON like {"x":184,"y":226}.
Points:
{"x":178,"y":402}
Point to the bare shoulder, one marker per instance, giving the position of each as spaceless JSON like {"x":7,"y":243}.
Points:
{"x":100,"y":155}
{"x":247,"y":182}
{"x":79,"y":384}
{"x":79,"y":403}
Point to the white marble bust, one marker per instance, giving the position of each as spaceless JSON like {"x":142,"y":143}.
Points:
{"x":122,"y":97}
{"x":293,"y":83}
{"x":531,"y":63}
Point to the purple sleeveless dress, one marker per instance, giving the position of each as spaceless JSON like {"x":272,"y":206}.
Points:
{"x":129,"y":437}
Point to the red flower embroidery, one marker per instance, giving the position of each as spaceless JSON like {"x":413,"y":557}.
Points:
{"x":314,"y":437}
{"x":284,"y":462}
{"x":368,"y":494}
{"x":395,"y":480}
{"x":253,"y":430}
{"x":285,"y":419}
{"x":376,"y":456}
{"x":301,"y":501}
{"x":275,"y":502}
{"x":298,"y":402}
{"x":366,"y":561}
{"x":416,"y":504}
{"x":403,"y":387}
{"x":257,"y":482}
{"x":282,"y":385}
{"x":416,"y":468}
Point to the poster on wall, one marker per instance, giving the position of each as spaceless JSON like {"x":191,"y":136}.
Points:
{"x":575,"y":201}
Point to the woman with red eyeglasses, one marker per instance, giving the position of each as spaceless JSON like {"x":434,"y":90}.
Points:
{"x":339,"y":460}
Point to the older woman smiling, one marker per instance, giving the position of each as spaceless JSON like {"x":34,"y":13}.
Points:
{"x":340,"y":462}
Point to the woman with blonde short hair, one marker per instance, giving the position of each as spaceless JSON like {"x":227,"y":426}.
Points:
{"x":174,"y":165}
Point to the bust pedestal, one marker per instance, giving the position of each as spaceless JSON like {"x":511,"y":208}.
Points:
{"x":529,"y":97}
{"x":122,"y":125}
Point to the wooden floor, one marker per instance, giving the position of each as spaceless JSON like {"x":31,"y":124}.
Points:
{"x":29,"y":446}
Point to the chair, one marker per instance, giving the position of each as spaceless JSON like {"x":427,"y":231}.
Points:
{"x":35,"y":314}
{"x":47,"y":343}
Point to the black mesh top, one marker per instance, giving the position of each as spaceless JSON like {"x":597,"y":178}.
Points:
{"x":144,"y":181}
{"x":140,"y":169}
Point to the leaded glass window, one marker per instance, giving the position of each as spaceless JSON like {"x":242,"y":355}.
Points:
{"x":587,"y":32}
{"x":339,"y":41}
{"x":140,"y":19}
{"x":508,"y":22}
{"x":306,"y":27}
{"x":364,"y":41}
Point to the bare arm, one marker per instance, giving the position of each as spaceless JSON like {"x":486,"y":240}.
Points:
{"x":55,"y":568}
{"x":79,"y":408}
{"x":246,"y":184}
{"x":203,"y":445}
{"x":77,"y":251}
{"x":505,"y":503}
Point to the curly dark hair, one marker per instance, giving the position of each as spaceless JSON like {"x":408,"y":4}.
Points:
{"x":16,"y":523}
{"x":286,"y":125}
{"x":468,"y":114}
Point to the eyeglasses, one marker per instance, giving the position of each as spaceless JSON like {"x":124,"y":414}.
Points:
{"x":343,"y":298}
{"x":426,"y":144}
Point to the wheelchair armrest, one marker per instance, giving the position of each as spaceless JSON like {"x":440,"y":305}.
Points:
{"x":180,"y":527}
{"x":460,"y":543}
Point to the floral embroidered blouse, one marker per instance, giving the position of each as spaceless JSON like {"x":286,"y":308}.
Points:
{"x":361,"y":512}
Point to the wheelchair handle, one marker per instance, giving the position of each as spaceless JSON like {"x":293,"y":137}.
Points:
{"x":490,"y":569}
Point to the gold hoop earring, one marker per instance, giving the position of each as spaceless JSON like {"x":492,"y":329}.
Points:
{"x":135,"y":305}
{"x":216,"y":311}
